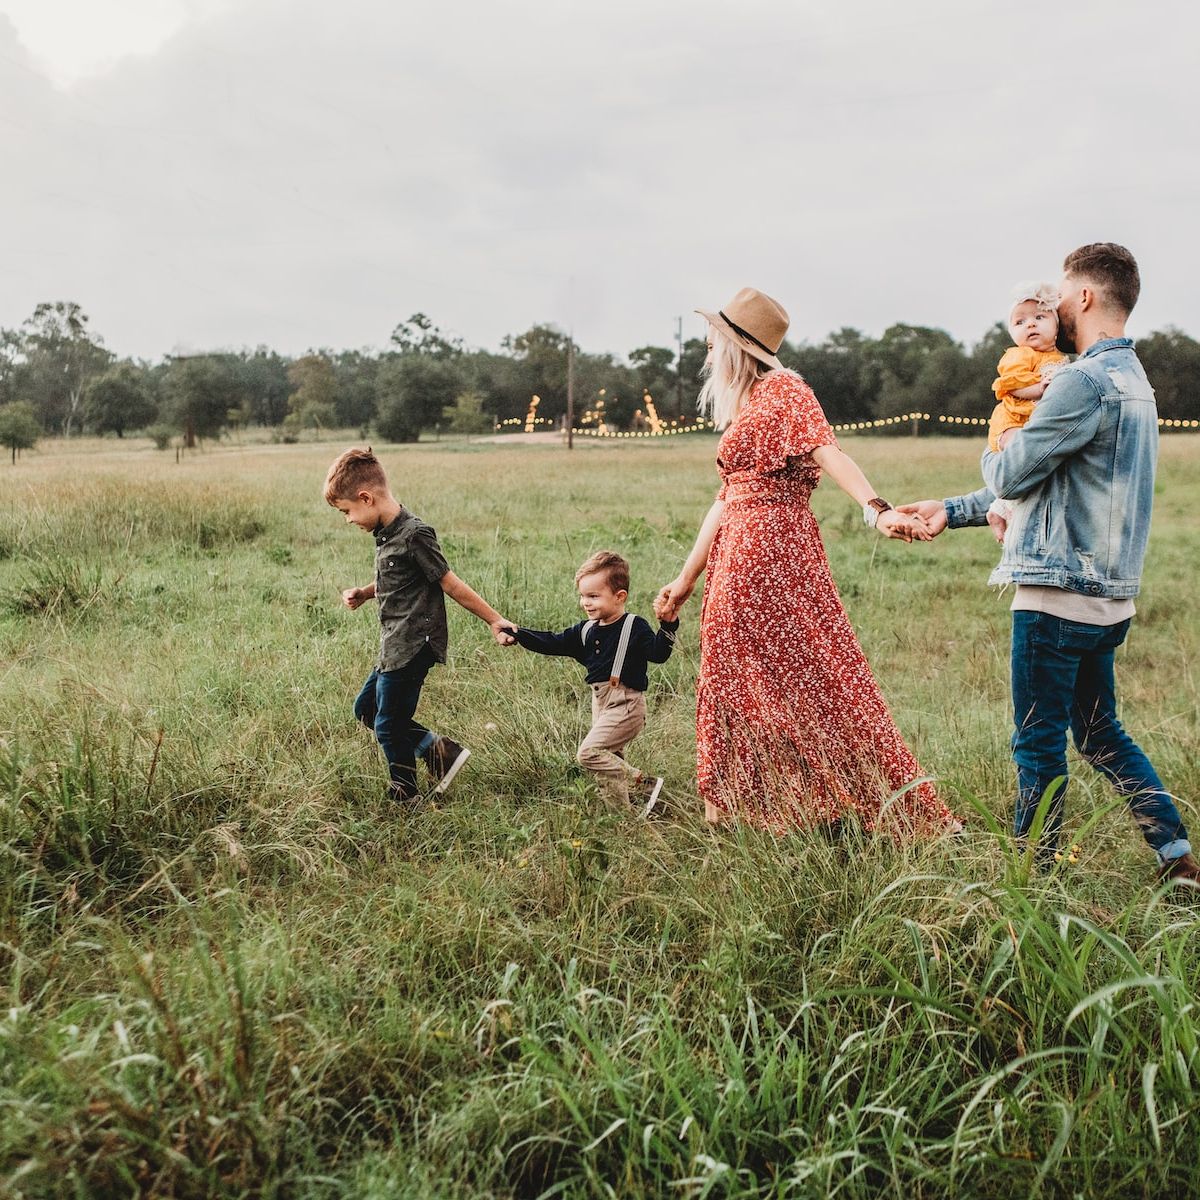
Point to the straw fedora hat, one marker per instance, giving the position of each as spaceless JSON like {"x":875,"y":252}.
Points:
{"x":755,"y":322}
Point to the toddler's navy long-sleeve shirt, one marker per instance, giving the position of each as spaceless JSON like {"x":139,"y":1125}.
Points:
{"x":598,"y":652}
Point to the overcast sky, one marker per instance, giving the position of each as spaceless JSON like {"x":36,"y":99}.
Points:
{"x":212,"y":173}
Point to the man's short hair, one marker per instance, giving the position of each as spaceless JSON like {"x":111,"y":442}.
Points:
{"x":353,"y":471}
{"x":615,"y":568}
{"x":1113,"y":270}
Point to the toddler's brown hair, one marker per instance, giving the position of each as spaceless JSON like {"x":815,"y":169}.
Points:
{"x":615,"y":568}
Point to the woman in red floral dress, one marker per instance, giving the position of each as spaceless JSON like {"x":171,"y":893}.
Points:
{"x":791,"y":728}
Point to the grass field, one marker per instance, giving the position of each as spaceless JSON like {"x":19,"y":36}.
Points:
{"x":231,"y":969}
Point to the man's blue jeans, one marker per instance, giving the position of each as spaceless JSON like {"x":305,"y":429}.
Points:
{"x":386,"y":705}
{"x":1062,"y":676}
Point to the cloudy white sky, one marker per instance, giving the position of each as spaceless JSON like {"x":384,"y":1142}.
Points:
{"x":208,"y":173}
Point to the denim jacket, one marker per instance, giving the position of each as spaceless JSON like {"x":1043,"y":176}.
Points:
{"x":1082,"y":475}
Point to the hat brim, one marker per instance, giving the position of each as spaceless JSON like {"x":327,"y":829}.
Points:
{"x":723,"y":327}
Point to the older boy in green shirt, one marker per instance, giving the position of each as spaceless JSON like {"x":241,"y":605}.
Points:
{"x":412,"y":577}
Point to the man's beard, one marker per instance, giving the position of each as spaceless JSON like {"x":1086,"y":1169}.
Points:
{"x":1065,"y":341}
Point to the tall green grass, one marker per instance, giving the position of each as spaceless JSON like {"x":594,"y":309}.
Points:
{"x":233,"y":969}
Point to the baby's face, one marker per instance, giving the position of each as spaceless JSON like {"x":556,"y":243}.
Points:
{"x":1032,"y":326}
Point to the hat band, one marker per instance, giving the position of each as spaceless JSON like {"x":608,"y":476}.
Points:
{"x":743,"y":333}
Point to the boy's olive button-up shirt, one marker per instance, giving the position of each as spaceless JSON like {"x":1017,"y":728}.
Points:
{"x":409,"y":566}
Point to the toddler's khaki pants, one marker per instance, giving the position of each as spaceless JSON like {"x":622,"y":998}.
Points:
{"x":618,"y":716}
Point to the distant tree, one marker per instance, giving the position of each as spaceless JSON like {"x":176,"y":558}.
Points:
{"x":201,"y":389}
{"x":690,"y":366}
{"x":313,"y":386}
{"x":10,"y":363}
{"x":539,"y":357}
{"x":118,"y":400}
{"x":500,"y":380}
{"x":414,"y":392}
{"x":654,"y":371}
{"x":467,"y":415}
{"x":1172,"y":362}
{"x":19,"y":427}
{"x":990,"y":348}
{"x":355,"y":400}
{"x":419,"y":335}
{"x":313,"y":415}
{"x":895,"y":363}
{"x":264,"y":386}
{"x":623,"y":394}
{"x":834,"y":371}
{"x":59,"y":356}
{"x":948,"y":382}
{"x":974,"y":397}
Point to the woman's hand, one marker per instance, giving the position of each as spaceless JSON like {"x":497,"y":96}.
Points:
{"x":907,"y":527}
{"x":672,"y":598}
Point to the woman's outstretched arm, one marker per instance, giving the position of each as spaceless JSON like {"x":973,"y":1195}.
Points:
{"x":671,"y":599}
{"x":847,"y":474}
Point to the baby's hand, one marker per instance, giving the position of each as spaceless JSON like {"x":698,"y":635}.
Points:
{"x":997,"y":524}
{"x":354,"y":597}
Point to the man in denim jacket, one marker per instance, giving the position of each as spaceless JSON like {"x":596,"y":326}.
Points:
{"x":1083,"y":471}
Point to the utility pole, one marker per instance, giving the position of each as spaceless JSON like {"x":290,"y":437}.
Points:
{"x":679,"y":370}
{"x":571,"y":390}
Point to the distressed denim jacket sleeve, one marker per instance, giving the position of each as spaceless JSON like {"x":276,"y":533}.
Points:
{"x":970,"y":509}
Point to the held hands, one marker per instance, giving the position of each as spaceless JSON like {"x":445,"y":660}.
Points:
{"x":905,"y":526}
{"x":931,"y":512}
{"x":672,"y":598}
{"x":502,"y":630}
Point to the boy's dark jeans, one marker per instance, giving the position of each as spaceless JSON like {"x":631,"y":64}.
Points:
{"x":386,"y":705}
{"x":1062,"y":676}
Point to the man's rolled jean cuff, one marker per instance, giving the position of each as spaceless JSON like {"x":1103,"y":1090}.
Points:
{"x":1173,"y":850}
{"x":426,"y":743}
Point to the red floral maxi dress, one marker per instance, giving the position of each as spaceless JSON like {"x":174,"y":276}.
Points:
{"x":791,"y":727}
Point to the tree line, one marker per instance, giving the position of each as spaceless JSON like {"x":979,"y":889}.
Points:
{"x":58,"y":378}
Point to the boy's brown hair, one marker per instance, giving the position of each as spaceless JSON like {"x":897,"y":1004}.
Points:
{"x":353,"y":471}
{"x":615,"y":568}
{"x":1112,"y":268}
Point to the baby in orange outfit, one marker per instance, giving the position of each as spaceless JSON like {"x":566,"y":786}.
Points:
{"x":1023,"y":373}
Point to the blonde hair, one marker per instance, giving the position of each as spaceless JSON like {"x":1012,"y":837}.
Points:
{"x":353,"y":471}
{"x":615,"y":568}
{"x":728,"y":378}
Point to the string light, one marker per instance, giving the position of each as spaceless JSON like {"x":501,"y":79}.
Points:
{"x":659,"y":428}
